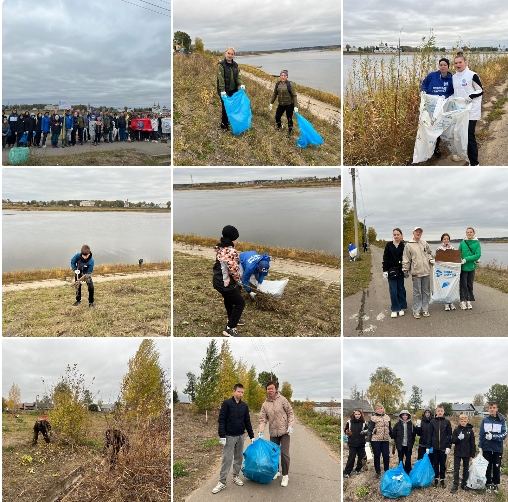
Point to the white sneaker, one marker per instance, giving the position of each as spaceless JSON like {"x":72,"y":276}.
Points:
{"x":394,"y":314}
{"x":401,"y":312}
{"x":426,"y":314}
{"x":468,"y":305}
{"x":277,"y":475}
{"x":463,"y":305}
{"x":44,"y":146}
{"x":456,"y":158}
{"x":284,"y":481}
{"x":452,"y":306}
{"x":237,"y":481}
{"x":220,"y":486}
{"x":447,"y":307}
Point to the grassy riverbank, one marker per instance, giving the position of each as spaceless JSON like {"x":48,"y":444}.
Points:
{"x":493,"y":275}
{"x":67,"y":274}
{"x":234,"y":186}
{"x":382,"y":104}
{"x":198,"y":139}
{"x":84,"y":209}
{"x":357,"y":274}
{"x":317,"y":257}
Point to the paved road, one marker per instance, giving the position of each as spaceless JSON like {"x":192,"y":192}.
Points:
{"x":314,"y":475}
{"x":367,"y":313}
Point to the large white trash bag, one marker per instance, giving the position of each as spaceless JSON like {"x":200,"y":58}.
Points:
{"x":477,"y":477}
{"x":455,"y":117}
{"x":273,"y":288}
{"x":445,"y":282}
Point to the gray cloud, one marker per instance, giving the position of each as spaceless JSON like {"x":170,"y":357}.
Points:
{"x":263,"y":24}
{"x":312,"y":367}
{"x":439,"y":200}
{"x":106,"y":53}
{"x":134,"y":184}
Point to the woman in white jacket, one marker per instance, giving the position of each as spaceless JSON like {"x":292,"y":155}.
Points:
{"x":466,"y":84}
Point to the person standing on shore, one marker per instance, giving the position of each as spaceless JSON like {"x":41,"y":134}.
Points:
{"x":229,"y":81}
{"x":445,"y":244}
{"x":285,"y":94}
{"x":471,"y":253}
{"x":392,"y":271}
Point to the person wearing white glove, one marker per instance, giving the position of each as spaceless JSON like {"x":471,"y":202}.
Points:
{"x":229,"y":81}
{"x":445,"y":245}
{"x":471,"y":252}
{"x":392,"y":270}
{"x":464,"y":451}
{"x":270,"y":106}
{"x":234,"y":420}
{"x":422,"y":429}
{"x":296,"y":109}
{"x":492,"y":436}
{"x":285,"y":94}
{"x":277,"y":411}
{"x":440,"y":432}
{"x":254,"y":267}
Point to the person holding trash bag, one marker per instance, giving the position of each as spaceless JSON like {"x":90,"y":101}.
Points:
{"x":441,"y":440}
{"x":403,"y":434}
{"x":471,"y":253}
{"x":356,"y":430}
{"x":492,"y":436}
{"x":229,"y":80}
{"x":252,"y":263}
{"x":234,"y":420}
{"x":287,"y":98}
{"x":351,"y":247}
{"x":464,"y":450}
{"x":392,"y":271}
{"x":439,"y":83}
{"x":378,"y":435}
{"x":467,"y":84}
{"x":422,"y":429}
{"x":445,"y":244}
{"x":82,"y":264}
{"x":279,"y":413}
{"x":226,"y":278}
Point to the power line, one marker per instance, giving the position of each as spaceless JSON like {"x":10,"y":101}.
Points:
{"x":151,"y":10}
{"x":153,"y":5}
{"x":164,"y":1}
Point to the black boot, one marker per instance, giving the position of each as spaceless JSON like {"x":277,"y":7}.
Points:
{"x":454,"y":489}
{"x":442,"y":483}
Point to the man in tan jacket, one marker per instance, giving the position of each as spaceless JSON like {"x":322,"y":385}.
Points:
{"x":279,"y":413}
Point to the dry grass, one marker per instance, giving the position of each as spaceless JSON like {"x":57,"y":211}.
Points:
{"x":199,"y":140}
{"x":494,"y":275}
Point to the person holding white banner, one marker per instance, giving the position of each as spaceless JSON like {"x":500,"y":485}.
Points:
{"x":445,"y":244}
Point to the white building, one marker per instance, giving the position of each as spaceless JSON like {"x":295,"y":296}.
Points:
{"x":87,"y":203}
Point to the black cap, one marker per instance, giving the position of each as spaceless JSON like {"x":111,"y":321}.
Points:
{"x":230,"y":232}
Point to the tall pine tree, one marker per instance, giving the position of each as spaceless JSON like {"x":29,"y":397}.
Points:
{"x":207,"y":396}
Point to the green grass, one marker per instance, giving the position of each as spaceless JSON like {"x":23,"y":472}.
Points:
{"x":356,"y":274}
{"x":498,"y":111}
{"x":208,"y":443}
{"x":493,"y":275}
{"x":179,"y":470}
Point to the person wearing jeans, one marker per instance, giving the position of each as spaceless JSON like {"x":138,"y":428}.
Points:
{"x":441,"y":441}
{"x":378,"y":435}
{"x":417,"y":261}
{"x":471,"y":253}
{"x":234,"y":420}
{"x":392,"y":271}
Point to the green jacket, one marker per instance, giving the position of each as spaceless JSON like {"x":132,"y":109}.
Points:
{"x":79,"y":122}
{"x":221,"y":82}
{"x":285,"y":98}
{"x":470,"y":255}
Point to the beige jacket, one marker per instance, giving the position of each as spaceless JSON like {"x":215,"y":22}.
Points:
{"x":416,"y":258}
{"x":279,"y":413}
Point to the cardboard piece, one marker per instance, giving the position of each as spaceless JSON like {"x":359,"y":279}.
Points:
{"x":449,"y":256}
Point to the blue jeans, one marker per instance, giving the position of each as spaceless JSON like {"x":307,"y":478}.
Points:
{"x":397,"y":293}
{"x":123,"y":136}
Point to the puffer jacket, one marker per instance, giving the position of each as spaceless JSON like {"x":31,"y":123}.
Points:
{"x":226,"y":271}
{"x":279,"y":413}
{"x":358,"y":431}
{"x":284,"y":97}
{"x":464,"y":447}
{"x":416,"y":258}
{"x":424,"y":430}
{"x":440,"y":433}
{"x":234,"y":419}
{"x":398,"y":432}
{"x":380,"y":428}
{"x":471,"y":252}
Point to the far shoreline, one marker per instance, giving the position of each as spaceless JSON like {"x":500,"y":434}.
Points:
{"x":84,"y":209}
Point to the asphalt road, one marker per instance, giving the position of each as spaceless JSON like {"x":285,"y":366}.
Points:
{"x":314,"y":475}
{"x":367,"y":313}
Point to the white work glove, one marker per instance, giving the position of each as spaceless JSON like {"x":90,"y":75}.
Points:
{"x":260,"y":435}
{"x":447,"y":451}
{"x":252,"y":441}
{"x":296,"y":109}
{"x":242,"y":87}
{"x":462,"y":261}
{"x":488,"y":436}
{"x":76,"y":272}
{"x":252,"y":295}
{"x":468,"y":100}
{"x":222,"y":441}
{"x":406,"y":275}
{"x":271,"y":106}
{"x":461,"y":436}
{"x":432,"y":261}
{"x":290,"y":431}
{"x":223,"y":94}
{"x":427,"y":451}
{"x":418,"y":423}
{"x":385,"y":275}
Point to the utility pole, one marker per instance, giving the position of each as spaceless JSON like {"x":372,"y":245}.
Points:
{"x":192,"y":182}
{"x":354,"y":207}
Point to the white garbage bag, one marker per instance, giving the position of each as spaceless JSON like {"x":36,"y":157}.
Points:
{"x":273,"y":288}
{"x":445,"y":282}
{"x":455,"y":117}
{"x":477,"y":473}
{"x":353,"y":253}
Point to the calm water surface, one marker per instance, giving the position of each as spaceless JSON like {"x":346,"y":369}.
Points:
{"x":46,"y":239}
{"x":303,"y":218}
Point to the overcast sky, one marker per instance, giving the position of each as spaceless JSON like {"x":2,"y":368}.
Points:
{"x":108,"y":53}
{"x":311,"y":366}
{"x":204,"y":175}
{"x":371,"y":21}
{"x":263,"y":24}
{"x":26,"y":362}
{"x":135,"y":184}
{"x":439,"y":200}
{"x":451,"y":369}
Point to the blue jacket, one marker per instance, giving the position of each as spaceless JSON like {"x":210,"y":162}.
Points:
{"x":351,"y":247}
{"x":249,"y":261}
{"x":84,"y":266}
{"x":496,"y":443}
{"x":437,"y":85}
{"x":45,"y":124}
{"x":69,"y":121}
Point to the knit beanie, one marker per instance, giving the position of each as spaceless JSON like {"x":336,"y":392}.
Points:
{"x":230,"y":232}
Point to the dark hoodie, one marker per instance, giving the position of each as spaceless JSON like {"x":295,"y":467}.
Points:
{"x":464,"y":447}
{"x":398,"y":431}
{"x":424,"y":429}
{"x":440,"y":433}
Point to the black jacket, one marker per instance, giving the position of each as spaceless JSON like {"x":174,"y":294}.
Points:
{"x":440,"y":433}
{"x":464,"y":447}
{"x":20,"y":125}
{"x":234,"y":419}
{"x":392,"y":256}
{"x":122,"y":122}
{"x":358,"y":429}
{"x":423,"y":431}
{"x":398,"y":434}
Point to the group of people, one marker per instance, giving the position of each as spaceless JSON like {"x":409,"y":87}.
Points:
{"x":404,"y":258}
{"x":80,"y":126}
{"x":435,"y":432}
{"x":232,"y":271}
{"x":229,"y":81}
{"x":234,"y":420}
{"x":464,"y":83}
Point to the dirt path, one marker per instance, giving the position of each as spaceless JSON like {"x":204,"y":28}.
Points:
{"x":319,"y":108}
{"x":52,"y":283}
{"x":307,"y":270}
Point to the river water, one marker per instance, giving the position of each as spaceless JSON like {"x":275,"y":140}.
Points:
{"x":316,"y":69}
{"x":498,"y":252}
{"x":47,"y":239}
{"x":335,"y":411}
{"x":305,"y":218}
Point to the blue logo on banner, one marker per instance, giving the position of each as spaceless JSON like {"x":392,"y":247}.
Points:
{"x":141,"y":124}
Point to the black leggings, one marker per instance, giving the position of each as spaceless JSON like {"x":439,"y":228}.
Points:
{"x":289,"y":114}
{"x":234,"y":303}
{"x":439,"y":464}
{"x":466,"y":286}
{"x":378,"y":448}
{"x":354,"y":452}
{"x":472,"y":146}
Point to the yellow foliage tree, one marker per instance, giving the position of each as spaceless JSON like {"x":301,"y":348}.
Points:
{"x":228,"y":377}
{"x":14,"y":398}
{"x":287,"y":391}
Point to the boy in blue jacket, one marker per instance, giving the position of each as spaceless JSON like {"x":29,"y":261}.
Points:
{"x":82,"y":264}
{"x":252,"y":263}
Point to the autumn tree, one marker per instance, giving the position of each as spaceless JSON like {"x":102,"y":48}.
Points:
{"x":287,"y":391}
{"x":499,"y":394}
{"x":206,"y":387}
{"x":355,"y":394}
{"x":199,"y":46}
{"x":14,"y":398}
{"x":176,"y":399}
{"x":479,"y":400}
{"x":227,"y":374}
{"x":415,"y":401}
{"x":371,"y":235}
{"x":182,"y":38}
{"x":385,"y":388}
{"x":190,"y":390}
{"x":255,"y":394}
{"x":144,"y":389}
{"x":265,"y":376}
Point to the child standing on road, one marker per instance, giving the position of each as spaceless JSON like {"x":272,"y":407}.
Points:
{"x":471,"y":253}
{"x":465,"y":450}
{"x":82,"y":264}
{"x":445,"y":244}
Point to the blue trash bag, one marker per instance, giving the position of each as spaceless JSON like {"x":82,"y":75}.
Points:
{"x":396,"y":483}
{"x":18,"y":155}
{"x":308,"y":135}
{"x":261,"y":461}
{"x":239,"y":112}
{"x":422,"y":473}
{"x":24,"y":138}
